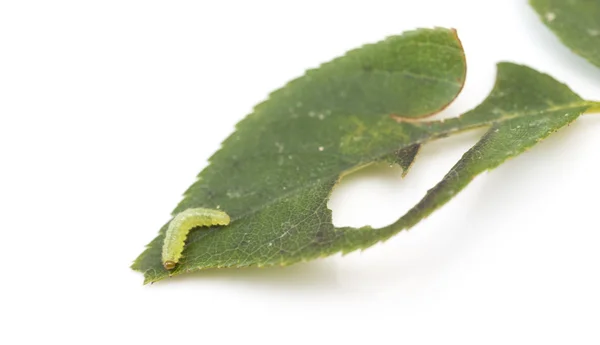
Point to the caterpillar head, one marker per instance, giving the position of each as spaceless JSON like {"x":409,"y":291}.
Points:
{"x":169,"y":265}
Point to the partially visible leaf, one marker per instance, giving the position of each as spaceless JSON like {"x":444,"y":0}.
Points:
{"x":275,"y":174}
{"x":575,"y":22}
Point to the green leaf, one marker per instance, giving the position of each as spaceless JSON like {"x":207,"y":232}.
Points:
{"x":275,"y":173}
{"x":575,"y":22}
{"x":333,"y":119}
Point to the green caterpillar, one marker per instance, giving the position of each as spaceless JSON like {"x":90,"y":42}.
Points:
{"x":181,"y":225}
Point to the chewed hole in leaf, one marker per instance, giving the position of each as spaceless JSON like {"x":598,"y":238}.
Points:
{"x":373,"y":190}
{"x":377,"y":195}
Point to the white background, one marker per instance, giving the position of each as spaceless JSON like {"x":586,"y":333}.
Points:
{"x":109,"y":109}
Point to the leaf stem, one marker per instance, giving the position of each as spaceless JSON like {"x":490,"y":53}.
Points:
{"x":595,"y":108}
